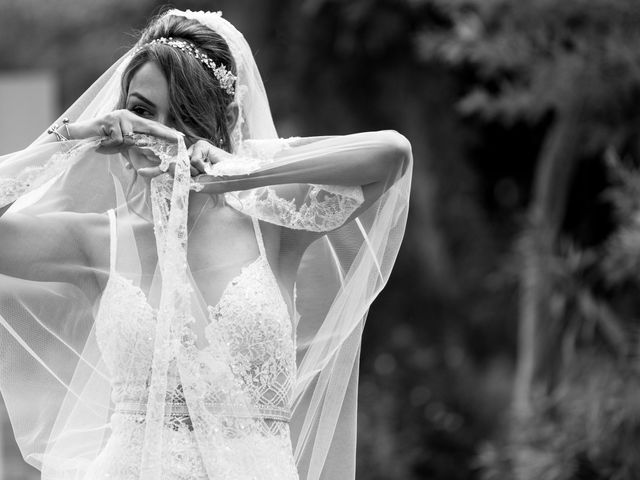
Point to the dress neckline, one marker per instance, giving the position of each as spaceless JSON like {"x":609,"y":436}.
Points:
{"x":226,"y":291}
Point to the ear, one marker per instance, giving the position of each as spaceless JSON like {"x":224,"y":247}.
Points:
{"x":232,"y":115}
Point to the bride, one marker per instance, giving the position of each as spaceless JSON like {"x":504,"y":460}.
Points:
{"x":182,"y":293}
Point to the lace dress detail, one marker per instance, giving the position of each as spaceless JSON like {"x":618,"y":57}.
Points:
{"x":236,"y":424}
{"x":325,"y":207}
{"x":319,"y":208}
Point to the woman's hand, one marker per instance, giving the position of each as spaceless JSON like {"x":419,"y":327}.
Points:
{"x":116,"y":130}
{"x":202,"y":156}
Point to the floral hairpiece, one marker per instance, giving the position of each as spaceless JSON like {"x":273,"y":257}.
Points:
{"x":226,"y":78}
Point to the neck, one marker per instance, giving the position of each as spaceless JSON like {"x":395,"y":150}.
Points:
{"x":140,"y":202}
{"x":199,"y":202}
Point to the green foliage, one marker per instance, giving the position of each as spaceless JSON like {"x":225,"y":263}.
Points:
{"x":621,"y":263}
{"x":587,"y":429}
{"x":578,"y":316}
{"x":585,"y":420}
{"x":532,"y":57}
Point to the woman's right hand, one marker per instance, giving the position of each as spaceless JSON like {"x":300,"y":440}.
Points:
{"x":116,"y":130}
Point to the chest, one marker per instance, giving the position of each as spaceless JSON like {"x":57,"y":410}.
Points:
{"x":250,"y":320}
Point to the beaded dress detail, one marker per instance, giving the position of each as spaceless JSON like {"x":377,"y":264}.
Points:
{"x":235,"y":426}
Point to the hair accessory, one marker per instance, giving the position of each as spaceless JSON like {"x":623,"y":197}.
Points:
{"x":226,"y":78}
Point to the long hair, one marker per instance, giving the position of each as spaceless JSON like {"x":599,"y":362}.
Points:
{"x":197,"y":102}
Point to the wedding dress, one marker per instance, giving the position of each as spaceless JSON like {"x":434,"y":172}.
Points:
{"x":141,"y":378}
{"x":252,"y":324}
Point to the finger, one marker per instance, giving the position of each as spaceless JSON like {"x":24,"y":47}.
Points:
{"x":194,"y":163}
{"x":200,"y":156}
{"x":150,"y":172}
{"x":114,"y":138}
{"x":151,"y":127}
{"x":148,"y":154}
{"x":195,"y":151}
{"x":116,"y":135}
{"x":105,"y":134}
{"x":214,"y":154}
{"x":155,"y":171}
{"x":199,"y":165}
{"x":127,"y":132}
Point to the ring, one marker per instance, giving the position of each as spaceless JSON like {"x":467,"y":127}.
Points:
{"x":130,"y":135}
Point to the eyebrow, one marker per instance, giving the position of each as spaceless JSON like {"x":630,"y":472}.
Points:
{"x":143,"y":98}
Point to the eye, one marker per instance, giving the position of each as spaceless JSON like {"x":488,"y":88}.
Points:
{"x":140,"y":111}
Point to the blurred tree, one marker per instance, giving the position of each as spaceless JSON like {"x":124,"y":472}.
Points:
{"x":574,"y":65}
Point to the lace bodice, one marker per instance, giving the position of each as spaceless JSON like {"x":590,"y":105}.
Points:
{"x":243,"y":379}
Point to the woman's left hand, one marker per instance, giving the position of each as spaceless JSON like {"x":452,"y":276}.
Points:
{"x":202,"y":156}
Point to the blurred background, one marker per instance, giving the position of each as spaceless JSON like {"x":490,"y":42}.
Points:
{"x":506,"y":344}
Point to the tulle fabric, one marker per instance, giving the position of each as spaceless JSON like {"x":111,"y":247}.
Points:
{"x":65,"y":371}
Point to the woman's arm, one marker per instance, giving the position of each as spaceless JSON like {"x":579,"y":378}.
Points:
{"x":355,"y":160}
{"x":45,"y":248}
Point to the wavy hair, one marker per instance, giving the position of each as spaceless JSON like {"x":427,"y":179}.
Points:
{"x":197,"y":102}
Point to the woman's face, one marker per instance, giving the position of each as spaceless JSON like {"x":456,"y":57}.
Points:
{"x":148,"y":97}
{"x":148,"y":94}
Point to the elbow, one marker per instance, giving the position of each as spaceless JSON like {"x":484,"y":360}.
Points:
{"x":398,"y":149}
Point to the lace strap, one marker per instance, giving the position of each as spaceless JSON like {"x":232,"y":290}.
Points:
{"x":113,"y":245}
{"x":256,"y":227}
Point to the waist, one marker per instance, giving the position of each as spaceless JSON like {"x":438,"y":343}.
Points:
{"x":181,"y":409}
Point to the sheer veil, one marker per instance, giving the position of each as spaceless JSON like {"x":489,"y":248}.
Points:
{"x":56,"y":374}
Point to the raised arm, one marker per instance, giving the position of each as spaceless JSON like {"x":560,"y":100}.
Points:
{"x":309,"y":186}
{"x":48,"y":247}
{"x":371,"y":159}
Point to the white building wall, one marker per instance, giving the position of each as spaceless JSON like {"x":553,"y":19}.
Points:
{"x":28,"y":105}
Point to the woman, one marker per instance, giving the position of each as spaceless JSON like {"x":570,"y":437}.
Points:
{"x":183,"y":293}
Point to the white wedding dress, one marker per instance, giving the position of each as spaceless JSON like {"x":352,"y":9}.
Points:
{"x":251,"y":340}
{"x":137,"y":382}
